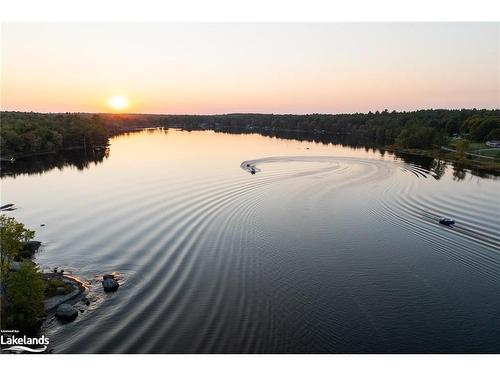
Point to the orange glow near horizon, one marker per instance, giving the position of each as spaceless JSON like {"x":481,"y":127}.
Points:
{"x":266,"y":68}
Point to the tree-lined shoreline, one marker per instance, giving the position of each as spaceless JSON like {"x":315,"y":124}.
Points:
{"x":31,"y":133}
{"x":424,"y":131}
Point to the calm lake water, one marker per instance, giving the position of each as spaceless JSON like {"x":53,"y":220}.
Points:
{"x":326,"y":249}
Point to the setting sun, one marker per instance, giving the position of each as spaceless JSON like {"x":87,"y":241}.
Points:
{"x":118,"y":102}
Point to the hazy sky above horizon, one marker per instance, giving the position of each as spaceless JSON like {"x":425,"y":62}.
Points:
{"x":271,"y":68}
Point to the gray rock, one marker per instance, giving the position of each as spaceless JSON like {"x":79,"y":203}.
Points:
{"x":15,"y":266}
{"x":55,"y":301}
{"x":66,"y":312}
{"x":110,"y":285}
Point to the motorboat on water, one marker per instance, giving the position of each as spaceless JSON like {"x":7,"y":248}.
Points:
{"x":446,"y":221}
{"x":251,"y":168}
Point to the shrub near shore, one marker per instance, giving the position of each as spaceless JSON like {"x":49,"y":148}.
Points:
{"x":25,"y":291}
{"x":22,"y":290}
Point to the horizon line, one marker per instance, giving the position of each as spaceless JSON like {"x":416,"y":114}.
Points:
{"x":252,"y":113}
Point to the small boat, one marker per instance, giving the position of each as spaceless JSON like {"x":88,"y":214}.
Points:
{"x":251,"y":168}
{"x":446,"y":221}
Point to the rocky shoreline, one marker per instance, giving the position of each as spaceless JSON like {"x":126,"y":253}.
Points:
{"x":65,"y":294}
{"x":78,"y":290}
{"x":66,"y":307}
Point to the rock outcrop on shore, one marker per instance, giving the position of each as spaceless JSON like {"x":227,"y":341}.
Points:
{"x":78,"y":289}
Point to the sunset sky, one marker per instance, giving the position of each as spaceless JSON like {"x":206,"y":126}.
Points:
{"x":270,"y":68}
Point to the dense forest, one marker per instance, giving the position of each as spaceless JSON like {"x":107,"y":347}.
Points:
{"x":25,"y":133}
{"x":418,"y":129}
{"x":424,"y":129}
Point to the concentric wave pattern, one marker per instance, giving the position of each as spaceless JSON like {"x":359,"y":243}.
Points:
{"x":416,"y":205}
{"x":193,"y":266}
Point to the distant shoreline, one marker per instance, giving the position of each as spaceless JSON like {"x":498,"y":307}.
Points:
{"x":421,"y":132}
{"x":486,"y":165}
